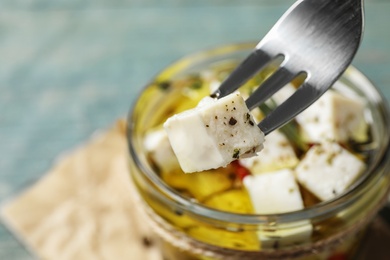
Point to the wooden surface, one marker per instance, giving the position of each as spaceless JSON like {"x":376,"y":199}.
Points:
{"x":70,"y":67}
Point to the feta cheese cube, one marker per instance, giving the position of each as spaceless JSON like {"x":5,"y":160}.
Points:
{"x":157,"y":144}
{"x":278,"y":153}
{"x":214,"y":133}
{"x":273,"y":193}
{"x":333,"y":117}
{"x":256,"y":112}
{"x":328,"y":169}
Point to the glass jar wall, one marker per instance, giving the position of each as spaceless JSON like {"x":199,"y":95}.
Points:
{"x":192,"y":230}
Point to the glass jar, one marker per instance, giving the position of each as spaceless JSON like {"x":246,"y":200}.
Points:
{"x":338,"y":223}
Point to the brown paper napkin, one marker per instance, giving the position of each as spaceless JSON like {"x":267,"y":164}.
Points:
{"x":83,"y":208}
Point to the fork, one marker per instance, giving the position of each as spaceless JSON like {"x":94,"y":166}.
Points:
{"x":314,"y":38}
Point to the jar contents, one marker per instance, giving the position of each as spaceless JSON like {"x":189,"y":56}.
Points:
{"x":312,"y":159}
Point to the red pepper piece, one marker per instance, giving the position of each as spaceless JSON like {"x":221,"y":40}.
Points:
{"x":240,"y":170}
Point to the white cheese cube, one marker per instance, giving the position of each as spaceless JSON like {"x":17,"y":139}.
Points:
{"x":278,"y":153}
{"x":157,"y":144}
{"x":214,"y":133}
{"x":273,"y":193}
{"x":256,"y":112}
{"x":333,"y":117}
{"x":328,"y":169}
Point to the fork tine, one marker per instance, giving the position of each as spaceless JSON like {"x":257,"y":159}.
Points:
{"x":252,"y":64}
{"x":270,"y":86}
{"x":296,"y":103}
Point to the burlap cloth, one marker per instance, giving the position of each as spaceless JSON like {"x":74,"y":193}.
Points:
{"x":83,"y":209}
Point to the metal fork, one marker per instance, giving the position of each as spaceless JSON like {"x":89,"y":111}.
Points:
{"x":316,"y":38}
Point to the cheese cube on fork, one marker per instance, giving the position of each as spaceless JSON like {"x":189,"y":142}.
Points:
{"x":213,"y":134}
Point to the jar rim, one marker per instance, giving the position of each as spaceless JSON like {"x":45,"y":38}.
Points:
{"x":175,"y":199}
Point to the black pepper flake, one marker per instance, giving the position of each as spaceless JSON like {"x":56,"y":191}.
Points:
{"x":207,"y":125}
{"x":334,"y":192}
{"x":147,"y":242}
{"x":178,"y":212}
{"x":164,"y":85}
{"x":251,"y":123}
{"x":216,"y":117}
{"x":232,"y":121}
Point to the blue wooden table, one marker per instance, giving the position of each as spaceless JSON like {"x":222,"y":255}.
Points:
{"x":69,"y":67}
